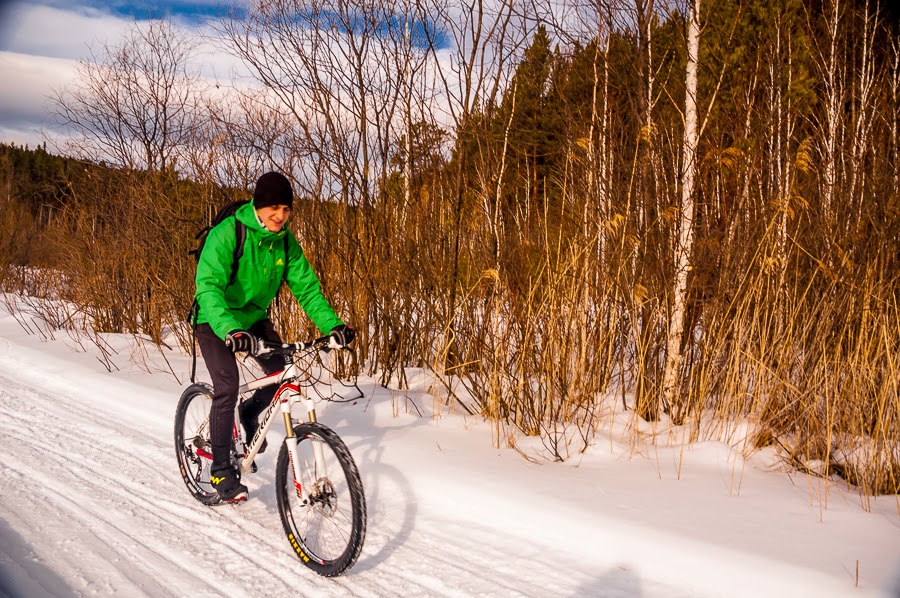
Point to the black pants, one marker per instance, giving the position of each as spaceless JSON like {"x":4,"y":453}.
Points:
{"x":223,"y":370}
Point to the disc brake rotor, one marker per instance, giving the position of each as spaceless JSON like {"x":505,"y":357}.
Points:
{"x":323,"y":497}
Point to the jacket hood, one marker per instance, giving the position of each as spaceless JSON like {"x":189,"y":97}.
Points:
{"x":247,"y":215}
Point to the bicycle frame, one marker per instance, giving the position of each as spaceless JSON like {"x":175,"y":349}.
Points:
{"x":286,"y":396}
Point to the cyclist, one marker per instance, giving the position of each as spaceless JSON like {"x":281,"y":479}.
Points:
{"x":233,"y":312}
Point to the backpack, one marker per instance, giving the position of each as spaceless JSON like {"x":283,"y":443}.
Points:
{"x":240,"y":231}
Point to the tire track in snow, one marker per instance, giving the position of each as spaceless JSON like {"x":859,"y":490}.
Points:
{"x":112,"y":504}
{"x":91,"y":460}
{"x":69,"y":487}
{"x":100,"y":474}
{"x":117,"y":555}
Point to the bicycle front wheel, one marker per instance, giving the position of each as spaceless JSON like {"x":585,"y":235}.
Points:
{"x":324,"y":513}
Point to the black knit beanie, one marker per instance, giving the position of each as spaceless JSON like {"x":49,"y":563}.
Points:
{"x":273,"y":189}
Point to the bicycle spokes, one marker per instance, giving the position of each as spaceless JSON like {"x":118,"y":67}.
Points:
{"x":325,"y":524}
{"x":192,"y":442}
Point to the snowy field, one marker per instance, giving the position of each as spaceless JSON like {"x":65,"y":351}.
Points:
{"x":91,"y":503}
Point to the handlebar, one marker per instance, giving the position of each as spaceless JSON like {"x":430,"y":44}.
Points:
{"x":323,"y":343}
{"x":339,"y":382}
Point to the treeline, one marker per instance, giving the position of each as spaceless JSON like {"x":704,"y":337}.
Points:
{"x":109,"y":241}
{"x":694,"y":213}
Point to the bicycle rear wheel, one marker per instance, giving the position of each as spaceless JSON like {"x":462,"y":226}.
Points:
{"x":192,"y":442}
{"x":327,"y":527}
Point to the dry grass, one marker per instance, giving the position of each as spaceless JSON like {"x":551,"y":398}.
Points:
{"x":536,"y":287}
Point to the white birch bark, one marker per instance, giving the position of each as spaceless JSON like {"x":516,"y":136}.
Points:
{"x":781,"y":78}
{"x":686,"y":223}
{"x":785,"y":184}
{"x":863,"y":113}
{"x":495,"y":213}
{"x":834,"y":94}
{"x":598,"y":157}
{"x":645,"y":22}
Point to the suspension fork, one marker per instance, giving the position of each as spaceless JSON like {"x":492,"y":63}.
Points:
{"x":298,"y":394}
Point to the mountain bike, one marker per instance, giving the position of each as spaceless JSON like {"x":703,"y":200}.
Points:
{"x":319,"y":491}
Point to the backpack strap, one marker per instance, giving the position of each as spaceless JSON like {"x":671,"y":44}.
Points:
{"x":192,"y":322}
{"x":240,"y":233}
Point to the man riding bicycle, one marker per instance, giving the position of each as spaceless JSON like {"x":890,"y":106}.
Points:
{"x":233,"y":312}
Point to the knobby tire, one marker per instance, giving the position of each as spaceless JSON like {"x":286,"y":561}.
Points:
{"x":191,"y":430}
{"x":327,"y":532}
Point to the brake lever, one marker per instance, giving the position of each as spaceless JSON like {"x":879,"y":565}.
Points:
{"x":263,"y":348}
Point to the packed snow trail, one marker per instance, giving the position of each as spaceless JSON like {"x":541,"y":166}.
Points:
{"x":90,"y":484}
{"x":92,"y":504}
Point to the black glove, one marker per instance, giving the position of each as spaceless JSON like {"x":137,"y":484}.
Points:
{"x":342,"y":334}
{"x":241,"y":341}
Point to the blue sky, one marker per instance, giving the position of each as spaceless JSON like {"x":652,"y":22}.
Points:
{"x":189,"y":12}
{"x":192,"y":12}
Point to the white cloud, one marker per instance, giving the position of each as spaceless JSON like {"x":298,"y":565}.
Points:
{"x":28,"y":81}
{"x":42,"y":30}
{"x":40,"y":47}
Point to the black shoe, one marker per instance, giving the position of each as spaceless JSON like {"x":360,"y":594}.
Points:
{"x":228,"y":484}
{"x":250,"y":421}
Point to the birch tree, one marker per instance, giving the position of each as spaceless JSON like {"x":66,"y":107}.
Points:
{"x":895,"y":110}
{"x":788,"y":99}
{"x":831,"y":69}
{"x":863,"y":109}
{"x":685,"y":240}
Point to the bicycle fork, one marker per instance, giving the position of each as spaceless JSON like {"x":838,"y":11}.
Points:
{"x":296,"y":395}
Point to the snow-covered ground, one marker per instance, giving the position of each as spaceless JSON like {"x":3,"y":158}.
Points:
{"x":91,"y":503}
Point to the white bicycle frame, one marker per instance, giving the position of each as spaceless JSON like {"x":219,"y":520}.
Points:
{"x":286,"y":396}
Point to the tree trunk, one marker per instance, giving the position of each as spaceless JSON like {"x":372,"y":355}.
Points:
{"x":833,"y":100}
{"x":686,"y":224}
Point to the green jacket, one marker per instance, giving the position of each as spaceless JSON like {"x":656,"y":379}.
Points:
{"x":260,"y":271}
